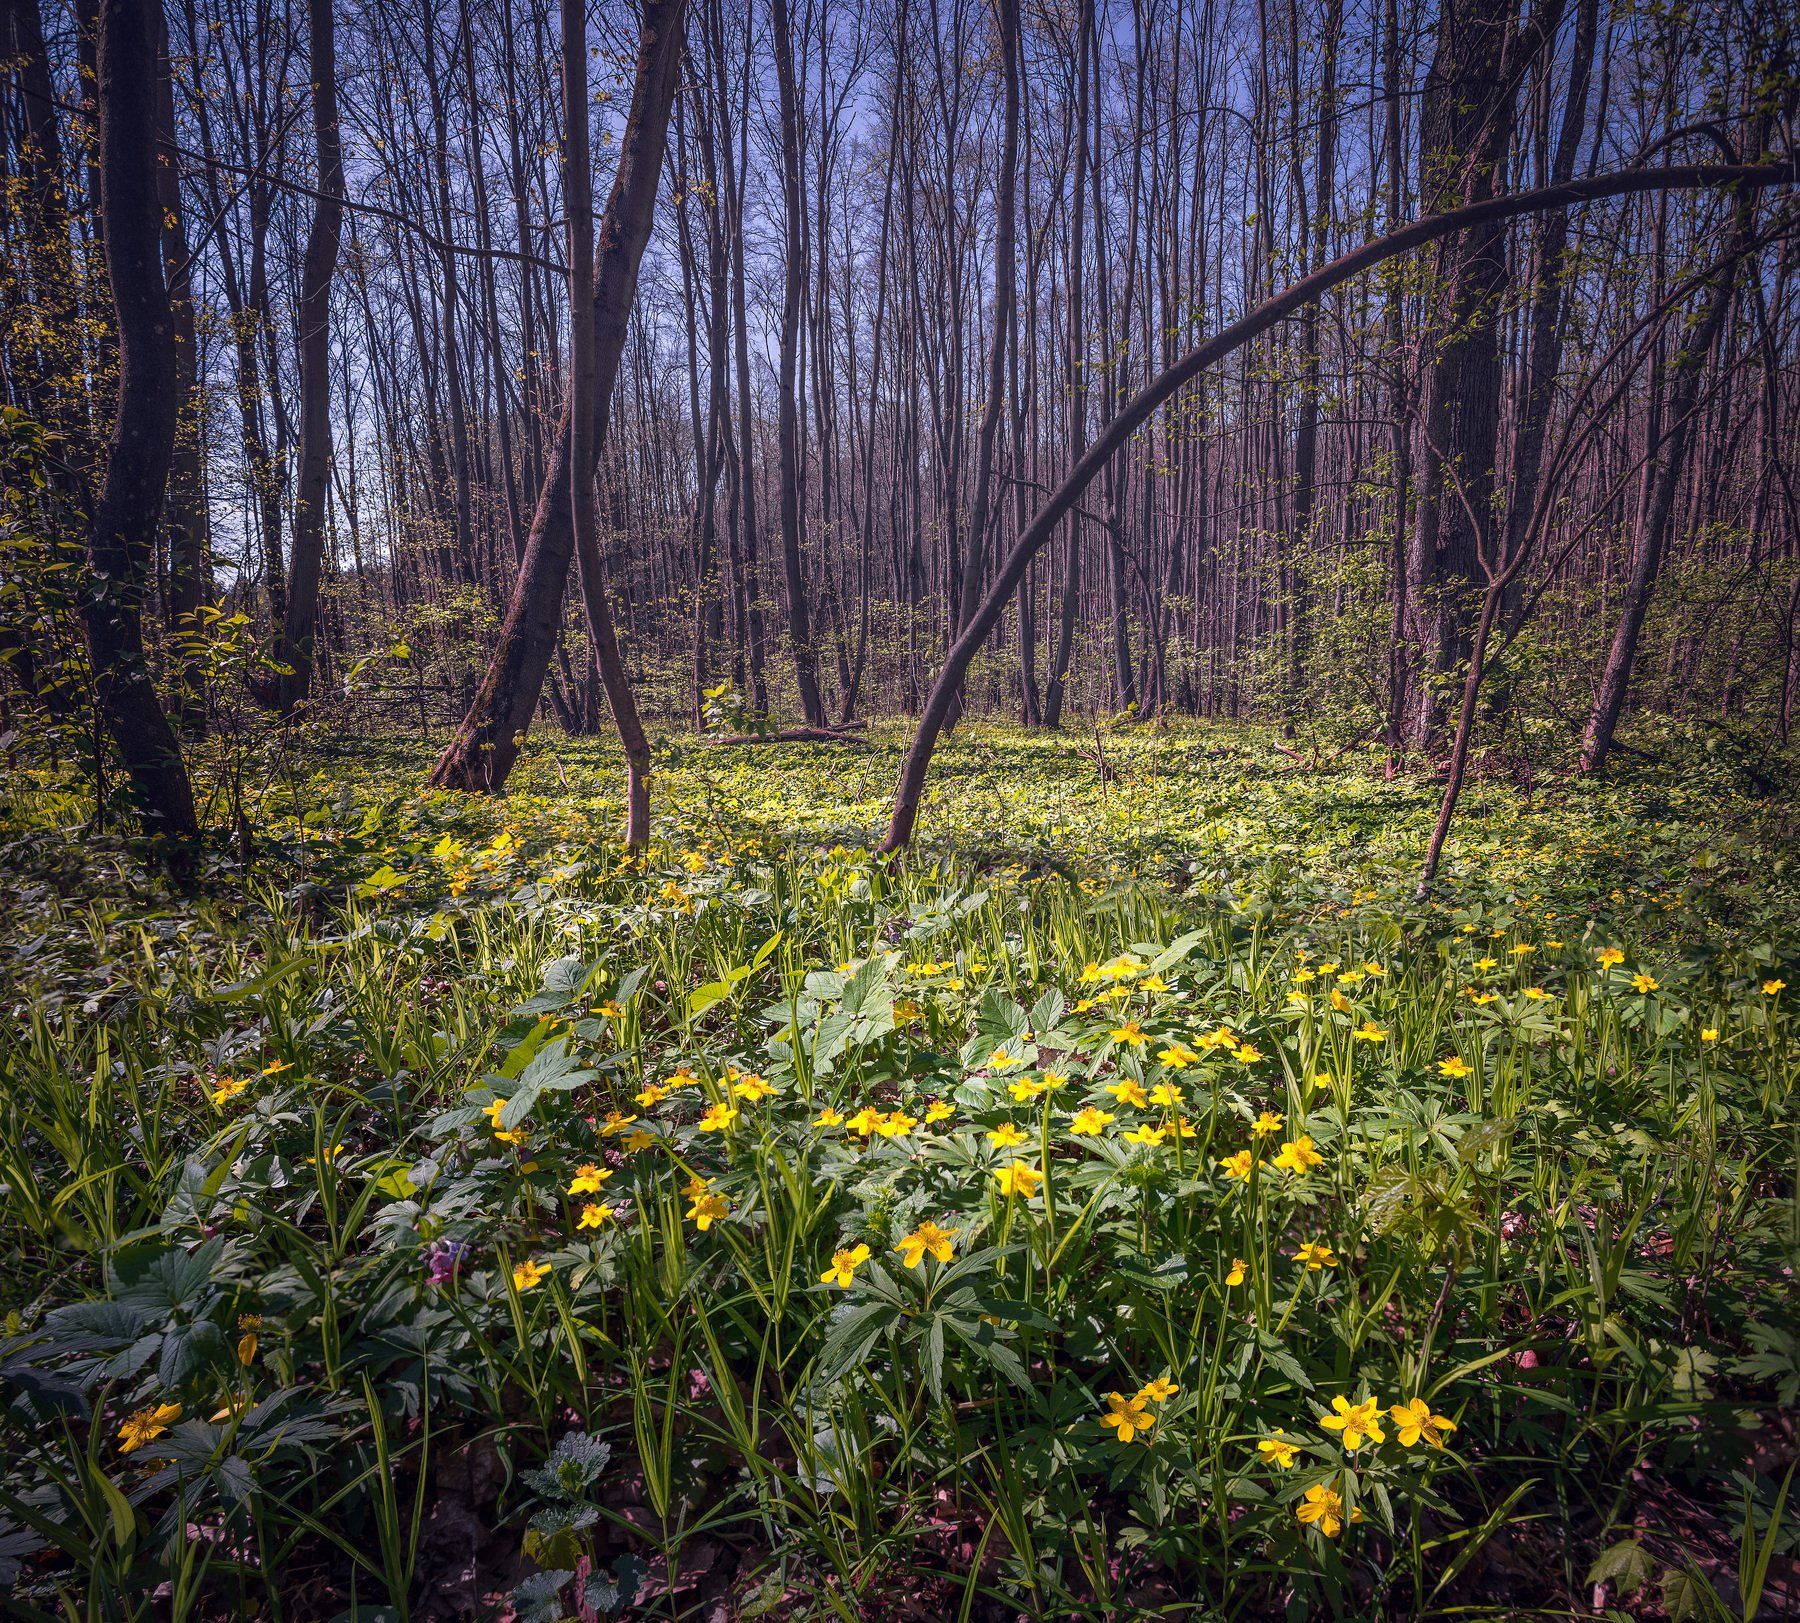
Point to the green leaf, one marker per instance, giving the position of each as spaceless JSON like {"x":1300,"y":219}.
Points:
{"x":1627,"y":1566}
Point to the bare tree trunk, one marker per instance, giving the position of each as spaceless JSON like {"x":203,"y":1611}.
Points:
{"x":578,"y":190}
{"x":487,"y":743}
{"x":1007,"y":16}
{"x":298,"y":629}
{"x":121,"y":536}
{"x":1195,"y":362}
{"x":186,"y":518}
{"x":1688,"y":372}
{"x":806,"y":664}
{"x":1077,"y":346}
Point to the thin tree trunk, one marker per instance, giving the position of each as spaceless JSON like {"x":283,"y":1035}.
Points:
{"x":318,"y":268}
{"x":578,"y":191}
{"x":806,"y":664}
{"x":487,"y":743}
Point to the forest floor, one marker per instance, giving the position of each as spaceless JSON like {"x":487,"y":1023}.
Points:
{"x":1136,"y":1203}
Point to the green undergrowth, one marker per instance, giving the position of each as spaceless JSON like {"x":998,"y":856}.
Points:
{"x":1137,"y":1202}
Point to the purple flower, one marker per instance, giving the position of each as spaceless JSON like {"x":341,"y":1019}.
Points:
{"x":443,"y":1260}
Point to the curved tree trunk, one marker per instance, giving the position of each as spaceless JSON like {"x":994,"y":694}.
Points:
{"x":1172,"y":379}
{"x":122,"y":533}
{"x":487,"y":743}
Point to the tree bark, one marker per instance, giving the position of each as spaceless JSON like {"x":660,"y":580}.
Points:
{"x":578,"y":190}
{"x":121,"y":536}
{"x":1688,"y":369}
{"x":806,"y":662}
{"x":300,"y":624}
{"x":487,"y":743}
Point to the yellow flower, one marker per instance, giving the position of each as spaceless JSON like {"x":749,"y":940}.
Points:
{"x":896,"y":1124}
{"x":1053,"y":1080}
{"x":752,"y":1088}
{"x":493,"y":1113}
{"x":844,"y":1265}
{"x":1236,"y":1276}
{"x":1238,"y":1165}
{"x":865,"y":1121}
{"x":1710,"y":1035}
{"x":1005,"y":1136}
{"x":1267,"y":1124}
{"x":1355,"y":1421}
{"x":718,"y":1117}
{"x":829,"y":1118}
{"x":1373,"y":968}
{"x":906,"y":1010}
{"x":229,"y":1088}
{"x":1524,"y":950}
{"x":1416,"y":1421}
{"x":1609,"y":957}
{"x":588,"y":1178}
{"x":1369,"y":1032}
{"x":1024,"y":1090}
{"x":1487,"y":963}
{"x":1298,"y":1156}
{"x":1481,"y":999}
{"x":248,"y":1324}
{"x":936,"y":1112}
{"x":1181,"y":1127}
{"x":707,"y":1208}
{"x":1314,"y":1255}
{"x":147,"y":1424}
{"x":1156,"y":1391}
{"x":608,"y":1010}
{"x":652,"y":1093}
{"x":1641,"y":982}
{"x":1279,"y":1451}
{"x":1131,"y":1032}
{"x":1126,"y":1416}
{"x":640,"y":1140}
{"x":1322,"y":1507}
{"x":1166,"y":1095}
{"x":1089,"y":1122}
{"x":1537,"y":994}
{"x":529,"y":1274}
{"x":1129,"y":1093}
{"x":1456,"y":1066}
{"x":1246,"y":1054}
{"x":1177,"y":1055}
{"x":1015,"y":1178}
{"x":1773,"y":988}
{"x":1000,"y":1060}
{"x":615,"y":1123}
{"x":276,"y":1068}
{"x":1339,"y":1002}
{"x":593,"y":1215}
{"x":927,"y":1237}
{"x":1145,"y":1135}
